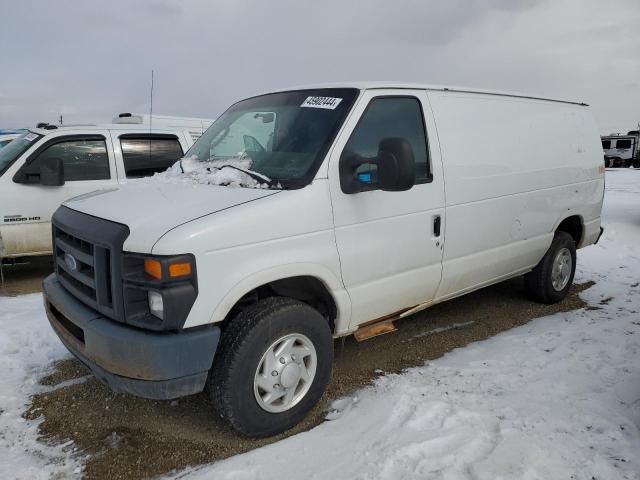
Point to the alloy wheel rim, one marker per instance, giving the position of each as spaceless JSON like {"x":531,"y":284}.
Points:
{"x":285,"y":373}
{"x":561,"y":269}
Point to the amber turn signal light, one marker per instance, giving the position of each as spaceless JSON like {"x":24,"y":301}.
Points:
{"x":177,"y":270}
{"x":153,"y":268}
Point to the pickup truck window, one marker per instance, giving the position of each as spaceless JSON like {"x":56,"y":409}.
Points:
{"x":144,"y":156}
{"x":626,"y":143}
{"x":283,"y":136}
{"x":84,"y":159}
{"x":17,"y":147}
{"x":606,"y":144}
{"x":391,"y":117}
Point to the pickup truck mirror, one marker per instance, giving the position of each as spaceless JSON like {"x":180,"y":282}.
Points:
{"x":393,"y":169}
{"x":51,"y":171}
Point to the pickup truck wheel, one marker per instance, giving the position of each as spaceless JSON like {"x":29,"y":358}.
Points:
{"x":551,"y":279}
{"x":272,"y":366}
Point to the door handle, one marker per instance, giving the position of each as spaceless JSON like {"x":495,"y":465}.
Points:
{"x":436,"y":225}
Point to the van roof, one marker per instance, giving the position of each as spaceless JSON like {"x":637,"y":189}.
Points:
{"x":377,"y":85}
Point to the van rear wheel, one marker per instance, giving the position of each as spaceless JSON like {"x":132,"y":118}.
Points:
{"x":550,"y":281}
{"x":272,"y":366}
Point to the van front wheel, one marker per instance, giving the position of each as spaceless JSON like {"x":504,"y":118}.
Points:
{"x":272,"y":366}
{"x":551,"y":279}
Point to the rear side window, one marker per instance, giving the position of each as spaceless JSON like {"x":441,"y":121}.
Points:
{"x":391,"y":117}
{"x":606,"y":144}
{"x":83,"y":159}
{"x":623,"y":143}
{"x":144,"y":156}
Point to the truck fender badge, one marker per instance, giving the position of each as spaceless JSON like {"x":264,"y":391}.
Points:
{"x":71,"y":262}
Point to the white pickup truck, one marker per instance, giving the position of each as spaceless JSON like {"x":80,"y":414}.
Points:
{"x":305,"y":215}
{"x":87,"y":158}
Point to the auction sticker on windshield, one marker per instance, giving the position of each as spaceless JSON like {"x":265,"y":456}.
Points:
{"x":30,"y":137}
{"x":329,"y":103}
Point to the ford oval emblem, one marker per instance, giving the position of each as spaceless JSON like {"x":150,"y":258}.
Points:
{"x":71,"y":262}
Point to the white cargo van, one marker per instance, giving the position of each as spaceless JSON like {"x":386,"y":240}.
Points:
{"x":45,"y":166}
{"x":305,"y":215}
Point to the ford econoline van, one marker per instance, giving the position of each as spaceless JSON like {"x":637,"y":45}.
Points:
{"x":305,"y":215}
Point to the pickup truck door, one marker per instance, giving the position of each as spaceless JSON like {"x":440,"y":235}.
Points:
{"x":390,"y":243}
{"x":143,"y":154}
{"x":26,"y":206}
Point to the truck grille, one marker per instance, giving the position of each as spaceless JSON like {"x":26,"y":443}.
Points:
{"x":88,"y":259}
{"x":77,"y":264}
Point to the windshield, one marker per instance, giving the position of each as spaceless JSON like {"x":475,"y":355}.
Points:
{"x":281,"y":136}
{"x":10,"y":152}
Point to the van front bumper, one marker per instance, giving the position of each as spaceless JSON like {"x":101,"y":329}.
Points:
{"x":147,"y":364}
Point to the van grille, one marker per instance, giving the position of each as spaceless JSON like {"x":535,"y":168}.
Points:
{"x":77,"y":263}
{"x":88,"y":259}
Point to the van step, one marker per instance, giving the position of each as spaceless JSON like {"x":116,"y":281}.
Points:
{"x":375,"y":329}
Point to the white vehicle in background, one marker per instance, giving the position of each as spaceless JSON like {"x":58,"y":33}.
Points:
{"x":305,"y":215}
{"x":85,"y":158}
{"x":620,"y":150}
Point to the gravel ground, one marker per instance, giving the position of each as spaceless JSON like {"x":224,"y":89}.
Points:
{"x":26,"y":276}
{"x":128,"y":437}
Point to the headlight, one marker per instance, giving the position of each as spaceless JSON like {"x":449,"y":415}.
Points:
{"x":159,"y":290}
{"x":156,"y":304}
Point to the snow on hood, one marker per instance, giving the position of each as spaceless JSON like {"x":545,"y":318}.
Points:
{"x":192,"y":170}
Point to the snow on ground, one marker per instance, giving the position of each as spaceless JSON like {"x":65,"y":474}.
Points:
{"x":28,"y":346}
{"x":558,"y":398}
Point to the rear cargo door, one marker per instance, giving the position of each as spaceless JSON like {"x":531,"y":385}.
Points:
{"x":390,"y":243}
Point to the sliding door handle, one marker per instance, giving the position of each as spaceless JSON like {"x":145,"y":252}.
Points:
{"x":436,"y":225}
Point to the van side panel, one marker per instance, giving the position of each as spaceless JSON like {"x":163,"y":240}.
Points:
{"x":514,"y":169}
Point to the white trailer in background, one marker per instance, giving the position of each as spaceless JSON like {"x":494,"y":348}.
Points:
{"x":621,"y":150}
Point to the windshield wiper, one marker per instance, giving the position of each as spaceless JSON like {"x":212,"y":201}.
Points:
{"x":262,"y":179}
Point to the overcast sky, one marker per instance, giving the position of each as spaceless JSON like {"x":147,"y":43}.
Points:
{"x":88,"y":60}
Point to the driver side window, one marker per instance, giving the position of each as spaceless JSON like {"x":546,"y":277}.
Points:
{"x":390,"y":117}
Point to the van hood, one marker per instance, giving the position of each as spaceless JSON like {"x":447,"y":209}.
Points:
{"x":152,"y":209}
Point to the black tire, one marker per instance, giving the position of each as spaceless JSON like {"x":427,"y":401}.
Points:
{"x":244,"y":341}
{"x":539,"y":282}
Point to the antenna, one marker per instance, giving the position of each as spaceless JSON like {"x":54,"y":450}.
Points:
{"x":151,"y":114}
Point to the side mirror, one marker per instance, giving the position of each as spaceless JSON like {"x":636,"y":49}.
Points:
{"x":51,"y":171}
{"x":395,"y":166}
